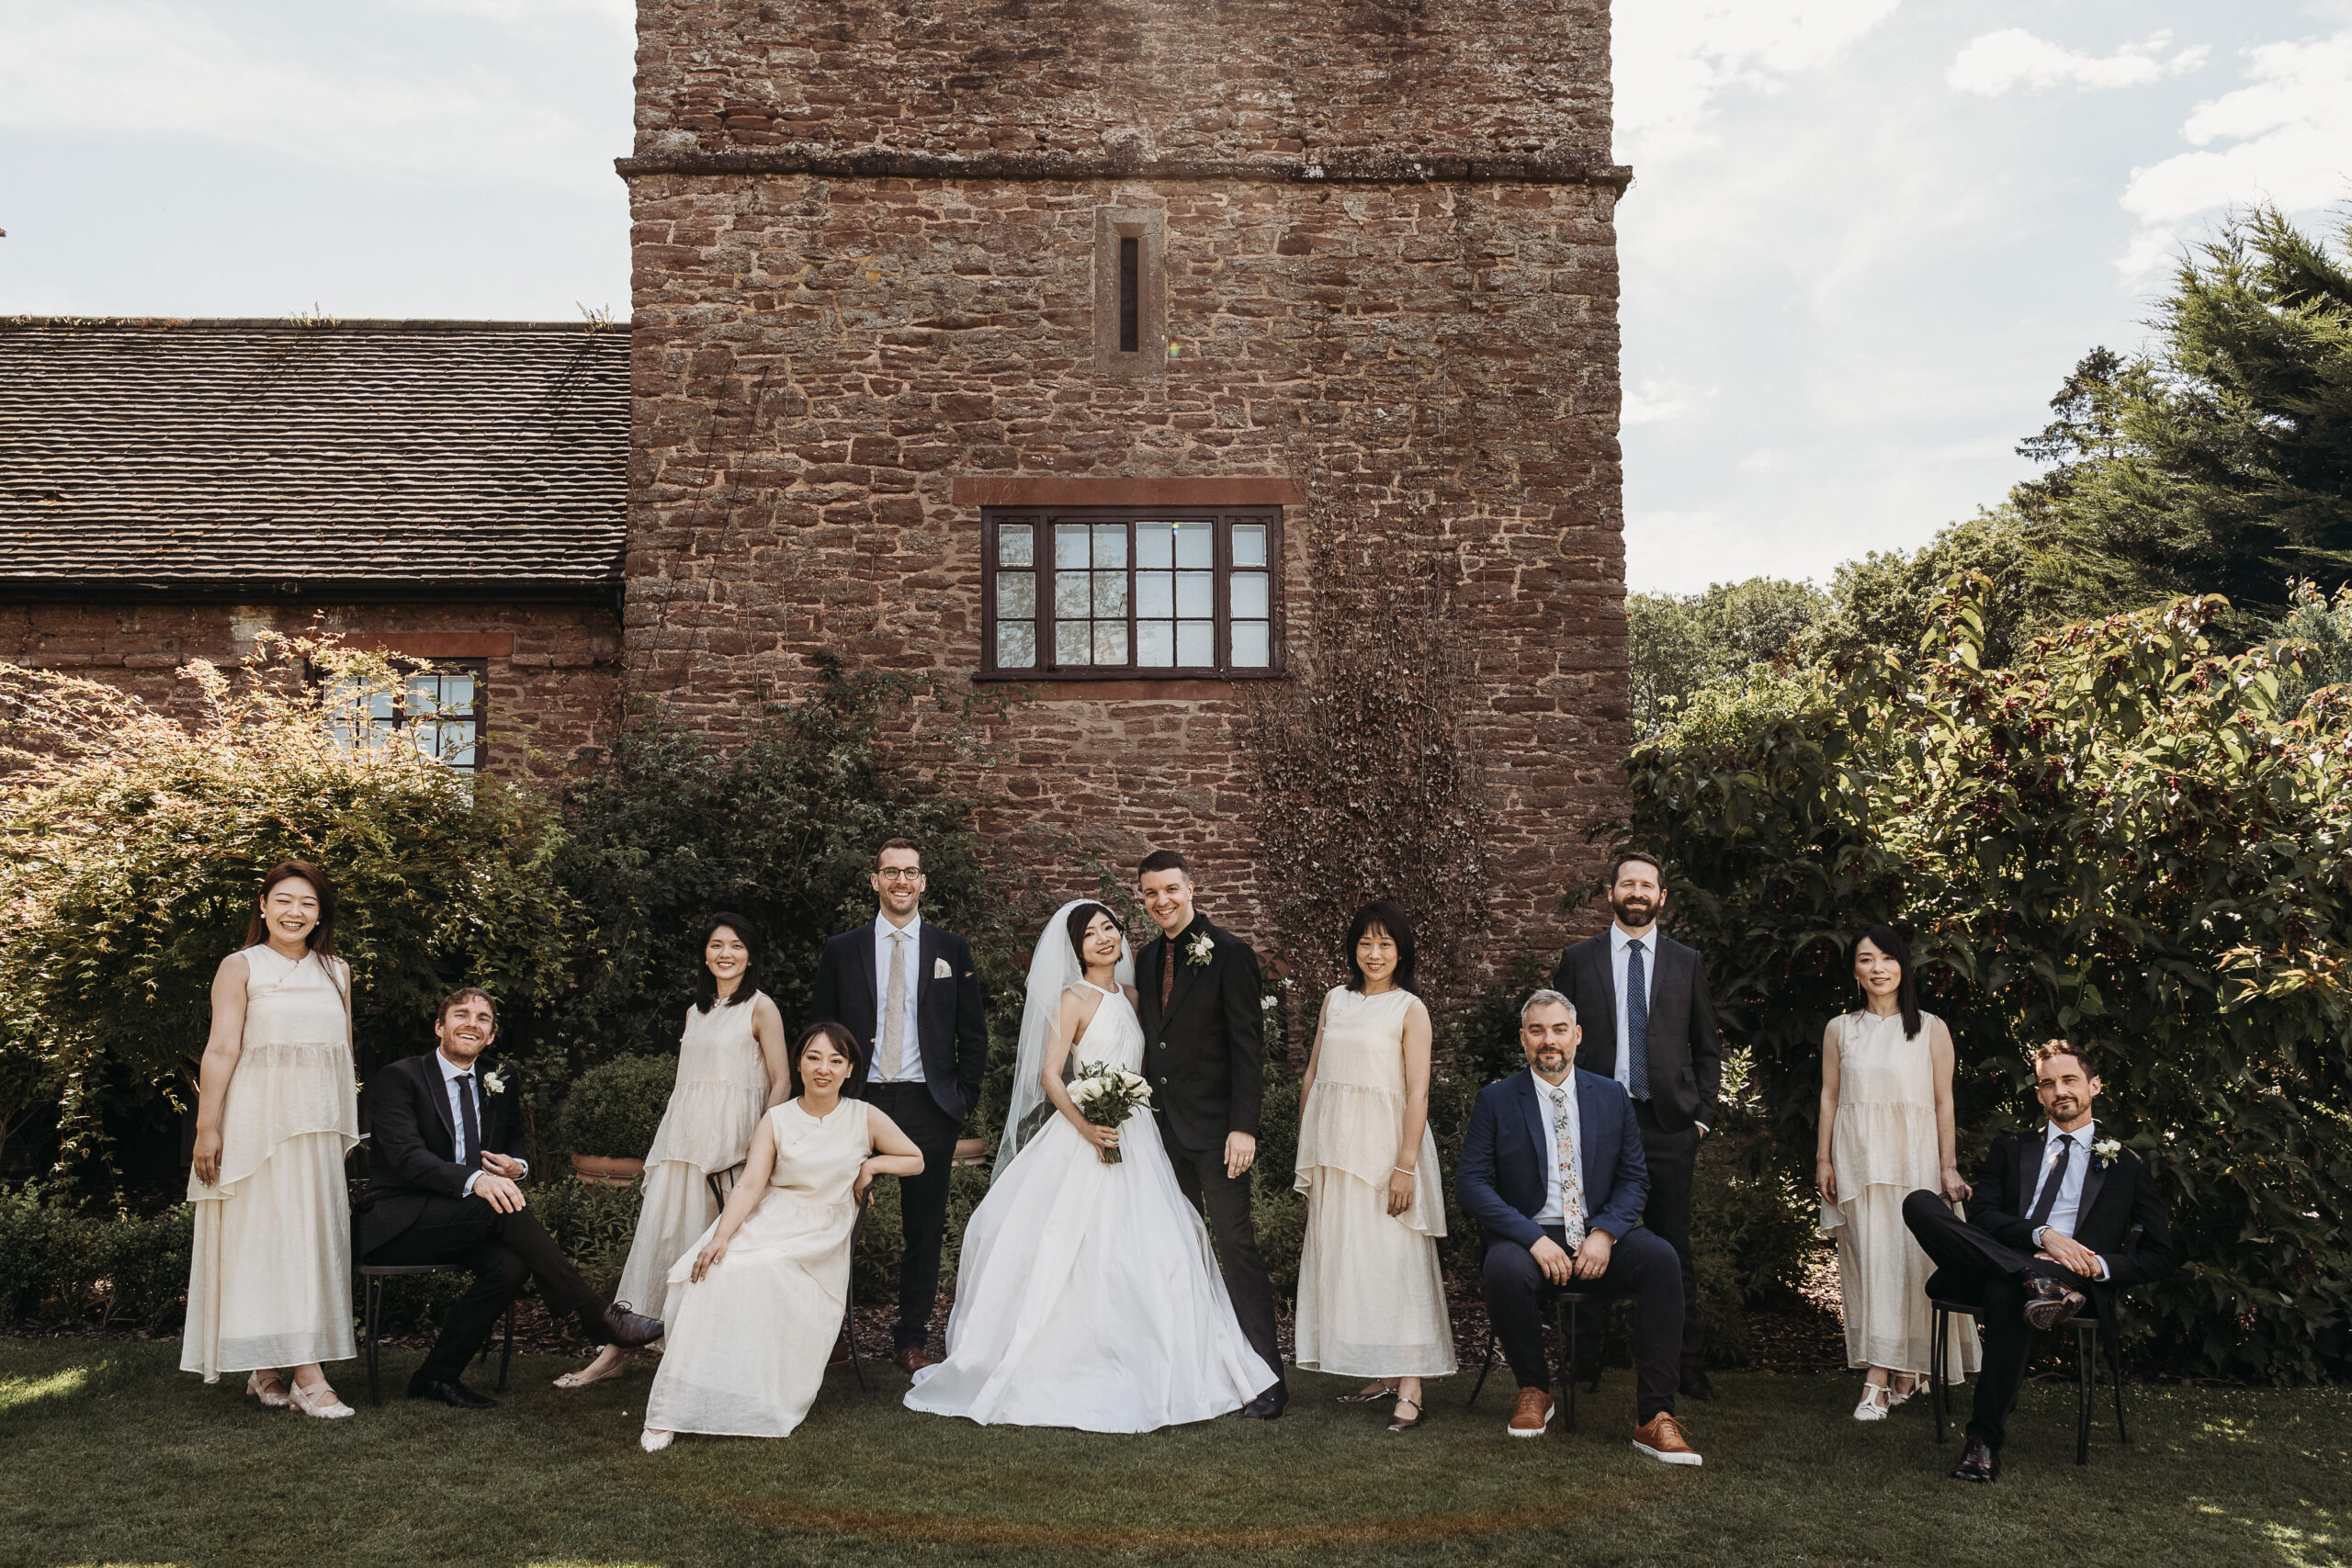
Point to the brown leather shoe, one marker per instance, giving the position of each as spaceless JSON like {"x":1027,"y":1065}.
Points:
{"x":911,"y":1359}
{"x":1660,"y":1436}
{"x":2051,"y":1304}
{"x":840,"y":1358}
{"x":1532,"y":1414}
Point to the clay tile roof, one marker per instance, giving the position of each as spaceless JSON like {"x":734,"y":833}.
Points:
{"x":258,"y":456}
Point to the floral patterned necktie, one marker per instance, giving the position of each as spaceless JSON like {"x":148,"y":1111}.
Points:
{"x":1571,"y":1171}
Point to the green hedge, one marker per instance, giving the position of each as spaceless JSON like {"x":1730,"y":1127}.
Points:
{"x":58,"y":1265}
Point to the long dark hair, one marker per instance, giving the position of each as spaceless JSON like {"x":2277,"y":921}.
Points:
{"x":844,"y":1042}
{"x":1390,"y":917}
{"x":1080,"y":918}
{"x":1889,"y":941}
{"x":706,"y":982}
{"x":322,"y":938}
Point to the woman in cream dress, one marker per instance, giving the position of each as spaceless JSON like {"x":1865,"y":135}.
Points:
{"x":269,"y":1279}
{"x":753,"y":1306}
{"x":731,"y":1068}
{"x":1886,"y":1132}
{"x":1371,"y":1295}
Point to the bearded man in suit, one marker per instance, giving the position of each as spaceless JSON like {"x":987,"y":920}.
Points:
{"x":445,"y":1166}
{"x":1649,"y":1023}
{"x":2059,"y":1218}
{"x":1202,"y":1006}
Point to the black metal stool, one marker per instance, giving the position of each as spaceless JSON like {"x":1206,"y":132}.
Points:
{"x":371,"y":1284}
{"x":1563,"y":1324}
{"x":2086,"y":1327}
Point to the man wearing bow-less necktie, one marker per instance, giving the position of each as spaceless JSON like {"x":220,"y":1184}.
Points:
{"x":907,"y":988}
{"x":1650,"y":1024}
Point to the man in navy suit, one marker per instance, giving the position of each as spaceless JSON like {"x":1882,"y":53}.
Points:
{"x":1552,"y":1170}
{"x":909,"y":992}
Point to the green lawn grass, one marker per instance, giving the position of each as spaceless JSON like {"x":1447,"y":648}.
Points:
{"x":108,"y":1454}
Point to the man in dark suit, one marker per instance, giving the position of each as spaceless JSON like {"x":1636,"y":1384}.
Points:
{"x":1552,"y":1170}
{"x":1205,"y":1050}
{"x":2059,"y":1217}
{"x":909,"y":991}
{"x":1649,"y":1025}
{"x":444,"y":1157}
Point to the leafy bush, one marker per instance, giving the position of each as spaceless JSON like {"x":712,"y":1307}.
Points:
{"x":2121,"y":838}
{"x":614,"y":1108}
{"x":58,"y":1266}
{"x":593,"y":1223}
{"x":132,"y":846}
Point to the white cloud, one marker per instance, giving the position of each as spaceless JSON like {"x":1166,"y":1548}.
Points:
{"x":1673,"y":57}
{"x":2289,"y":135}
{"x":1654,"y":401}
{"x":154,"y":67}
{"x":2015,"y":58}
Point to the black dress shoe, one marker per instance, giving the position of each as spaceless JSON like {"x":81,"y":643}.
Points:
{"x":454,"y":1395}
{"x":620,"y":1326}
{"x":1978,"y":1463}
{"x":1694,"y":1383}
{"x":1269,"y":1405}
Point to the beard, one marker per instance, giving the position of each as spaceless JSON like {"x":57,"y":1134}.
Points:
{"x":1637,"y":910}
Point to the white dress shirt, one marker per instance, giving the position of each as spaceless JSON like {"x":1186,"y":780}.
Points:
{"x":2067,"y":1207}
{"x":911,"y":955}
{"x":449,"y":1074}
{"x":1554,"y":1210}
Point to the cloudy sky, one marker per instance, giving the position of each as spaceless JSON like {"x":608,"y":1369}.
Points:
{"x":1866,"y":240}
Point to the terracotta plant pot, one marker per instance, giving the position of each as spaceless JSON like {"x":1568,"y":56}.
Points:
{"x":599,"y":1171}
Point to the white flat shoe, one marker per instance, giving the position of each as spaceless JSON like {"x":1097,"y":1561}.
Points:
{"x":271,"y":1394}
{"x":584,"y":1378}
{"x":324,"y":1404}
{"x":653,"y":1442}
{"x":1873,"y":1406}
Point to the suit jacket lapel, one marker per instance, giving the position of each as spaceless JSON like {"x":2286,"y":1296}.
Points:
{"x":864,"y":970}
{"x":2029,"y":1154}
{"x":1588,"y":1157}
{"x":1605,"y":986}
{"x":1147,"y":963}
{"x":2093,"y":1179}
{"x":1532,"y":1109}
{"x":436,"y":1093}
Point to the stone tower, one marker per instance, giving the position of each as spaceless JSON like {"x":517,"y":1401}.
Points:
{"x":1238,"y":377}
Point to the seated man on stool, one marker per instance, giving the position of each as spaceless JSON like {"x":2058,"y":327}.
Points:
{"x":444,"y":1161}
{"x":2047,"y":1228}
{"x":1552,"y":1170}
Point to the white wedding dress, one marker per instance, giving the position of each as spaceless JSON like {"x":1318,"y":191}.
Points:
{"x":1088,"y":1295}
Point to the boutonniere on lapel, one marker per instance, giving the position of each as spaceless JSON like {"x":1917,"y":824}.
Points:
{"x":493,"y":1081}
{"x":2103,"y":1153}
{"x":1199,"y":951}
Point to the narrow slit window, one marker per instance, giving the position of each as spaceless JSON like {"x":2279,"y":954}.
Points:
{"x":1130,"y":294}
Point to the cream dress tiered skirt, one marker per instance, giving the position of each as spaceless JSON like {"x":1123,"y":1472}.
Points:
{"x":1882,"y":1149}
{"x":715,"y":1107}
{"x":269,"y":1278}
{"x":1371,"y":1295}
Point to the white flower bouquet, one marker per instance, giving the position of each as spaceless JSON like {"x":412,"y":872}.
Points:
{"x":1107,"y":1096}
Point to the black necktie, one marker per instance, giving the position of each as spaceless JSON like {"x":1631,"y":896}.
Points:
{"x":2050,"y":1186}
{"x":1637,"y":1023}
{"x":473,"y":1124}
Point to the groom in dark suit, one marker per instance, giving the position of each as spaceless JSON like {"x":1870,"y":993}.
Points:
{"x":1649,"y":1025}
{"x":444,"y":1162}
{"x":909,"y":991}
{"x":1552,"y":1170}
{"x":1203,"y":1036}
{"x":2060,"y":1217}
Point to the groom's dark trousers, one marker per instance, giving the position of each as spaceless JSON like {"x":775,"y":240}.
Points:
{"x":1503,"y":1180}
{"x":1200,"y":1175}
{"x":1988,"y":1258}
{"x":415,"y":1210}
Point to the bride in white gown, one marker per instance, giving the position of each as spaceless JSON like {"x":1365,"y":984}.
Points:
{"x":1088,"y":1295}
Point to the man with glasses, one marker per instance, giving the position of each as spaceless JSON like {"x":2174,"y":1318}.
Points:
{"x":909,"y":991}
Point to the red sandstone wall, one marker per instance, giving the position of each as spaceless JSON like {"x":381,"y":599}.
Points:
{"x":553,"y":669}
{"x":819,"y":357}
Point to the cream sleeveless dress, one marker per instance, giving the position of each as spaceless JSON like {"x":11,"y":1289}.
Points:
{"x":269,"y":1279}
{"x":1882,"y":1149}
{"x":1371,"y":1295}
{"x":715,"y":1107}
{"x":748,"y":1344}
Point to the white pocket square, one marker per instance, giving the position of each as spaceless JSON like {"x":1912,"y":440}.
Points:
{"x":940,"y":971}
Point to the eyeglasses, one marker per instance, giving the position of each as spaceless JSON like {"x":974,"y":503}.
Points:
{"x":899,"y":873}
